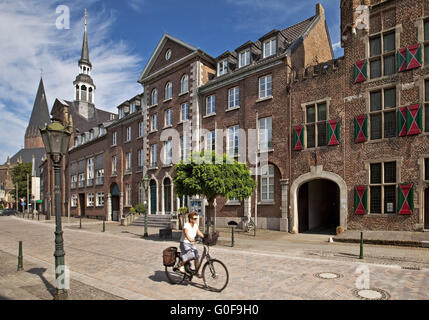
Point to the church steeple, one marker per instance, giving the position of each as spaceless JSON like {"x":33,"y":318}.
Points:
{"x":84,"y":87}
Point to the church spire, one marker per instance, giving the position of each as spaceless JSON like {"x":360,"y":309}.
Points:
{"x":84,"y":60}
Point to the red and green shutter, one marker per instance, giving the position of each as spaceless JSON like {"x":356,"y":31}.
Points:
{"x":360,"y":71}
{"x":402,"y":121}
{"x":334,"y":132}
{"x":361,"y":199}
{"x":409,"y":58}
{"x":406,"y":198}
{"x":414,"y":120}
{"x":298,"y":138}
{"x":361,"y":128}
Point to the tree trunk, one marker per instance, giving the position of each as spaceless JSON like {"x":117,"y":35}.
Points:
{"x":208,"y":217}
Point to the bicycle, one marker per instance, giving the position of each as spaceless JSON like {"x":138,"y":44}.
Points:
{"x":214,"y":273}
{"x":249,"y":225}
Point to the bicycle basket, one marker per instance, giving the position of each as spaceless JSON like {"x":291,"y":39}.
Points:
{"x":212,"y":241}
{"x":169,"y":256}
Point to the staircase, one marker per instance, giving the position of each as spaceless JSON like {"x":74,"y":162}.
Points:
{"x":154,"y":221}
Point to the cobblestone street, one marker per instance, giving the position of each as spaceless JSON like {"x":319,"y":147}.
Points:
{"x":114,"y":265}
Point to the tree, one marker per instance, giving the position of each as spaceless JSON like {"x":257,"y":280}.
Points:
{"x":19,"y":175}
{"x":211,"y":175}
{"x":140,"y":208}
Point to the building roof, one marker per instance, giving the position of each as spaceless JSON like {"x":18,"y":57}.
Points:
{"x":298,"y":30}
{"x":40,"y":114}
{"x":26,"y":156}
{"x":84,"y":58}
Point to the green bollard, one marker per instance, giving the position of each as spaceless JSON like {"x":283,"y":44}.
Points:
{"x":20,"y":264}
{"x":104,"y":225}
{"x":232,"y":236}
{"x":361,"y":246}
{"x":80,"y":222}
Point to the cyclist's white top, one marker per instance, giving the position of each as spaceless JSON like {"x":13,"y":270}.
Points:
{"x":192,"y":232}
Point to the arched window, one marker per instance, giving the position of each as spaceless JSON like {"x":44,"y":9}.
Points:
{"x":90,"y":97}
{"x":168,"y":91}
{"x":184,"y":84}
{"x":77,"y":92}
{"x":267,"y":183}
{"x":154,"y":97}
{"x":83,"y":93}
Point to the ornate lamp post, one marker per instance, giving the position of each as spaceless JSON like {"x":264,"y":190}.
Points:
{"x":145,"y":186}
{"x":56,"y":139}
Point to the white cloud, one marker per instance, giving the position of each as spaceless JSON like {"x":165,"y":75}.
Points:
{"x":136,"y":5}
{"x":29,"y":41}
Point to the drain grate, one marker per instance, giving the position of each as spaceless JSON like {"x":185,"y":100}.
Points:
{"x":411,"y":268}
{"x":371,"y":294}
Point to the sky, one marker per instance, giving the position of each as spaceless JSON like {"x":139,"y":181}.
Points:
{"x":36,"y":40}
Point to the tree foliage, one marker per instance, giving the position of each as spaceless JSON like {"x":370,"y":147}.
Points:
{"x":19,"y":175}
{"x":140,"y":208}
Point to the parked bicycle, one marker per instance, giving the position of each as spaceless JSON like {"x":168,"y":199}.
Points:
{"x":214,"y":273}
{"x":249,"y":225}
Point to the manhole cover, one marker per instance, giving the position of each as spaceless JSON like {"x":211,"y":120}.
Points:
{"x":328,"y":275}
{"x":371,"y":294}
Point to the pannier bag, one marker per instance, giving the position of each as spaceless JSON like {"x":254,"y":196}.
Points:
{"x":169,"y":256}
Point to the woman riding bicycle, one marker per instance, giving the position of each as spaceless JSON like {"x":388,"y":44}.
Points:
{"x":187,"y":241}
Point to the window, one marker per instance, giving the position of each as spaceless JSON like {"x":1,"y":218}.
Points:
{"x":141,"y":193}
{"x":211,"y":141}
{"x":154,"y":123}
{"x":167,"y":118}
{"x":244,"y":58}
{"x":383,"y":188}
{"x":265,"y":134}
{"x":154,"y":97}
{"x":128,"y":162}
{"x":184,"y":148}
{"x":265,"y":88}
{"x":128,"y":195}
{"x":168,"y":91}
{"x":91,"y":134}
{"x":233,"y":97}
{"x":383,"y":114}
{"x":267,"y":183}
{"x":99,"y":179}
{"x":81,"y":180}
{"x":426,"y":41}
{"x":210,"y":105}
{"x":316,"y":115}
{"x":141,"y":128}
{"x":100,"y":199}
{"x":114,"y":162}
{"x":114,"y":138}
{"x":184,"y":84}
{"x":102,"y":131}
{"x":222,"y":67}
{"x":90,"y":172}
{"x":184,"y":112}
{"x":90,"y":200}
{"x":426,"y":110}
{"x":427,"y":169}
{"x":270,"y":48}
{"x":168,"y":152}
{"x":74,"y":201}
{"x":168,"y":54}
{"x":140,"y":159}
{"x":382,"y":49}
{"x":132,"y":107}
{"x":76,"y":141}
{"x":73,"y":181}
{"x":82,"y":138}
{"x":128,"y":134}
{"x":233,"y":141}
{"x":121,"y":113}
{"x":153,"y":155}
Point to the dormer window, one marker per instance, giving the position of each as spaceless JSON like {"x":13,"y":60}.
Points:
{"x":270,"y":47}
{"x":154,"y":97}
{"x":132,"y":107}
{"x":168,"y":91}
{"x":121,"y":113}
{"x":82,"y":139}
{"x":91,"y":134}
{"x":244,"y":58}
{"x":222,"y":67}
{"x":76,"y":141}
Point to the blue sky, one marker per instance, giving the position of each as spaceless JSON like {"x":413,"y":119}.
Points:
{"x":122,"y":37}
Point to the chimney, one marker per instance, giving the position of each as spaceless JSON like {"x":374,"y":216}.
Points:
{"x":320,"y":11}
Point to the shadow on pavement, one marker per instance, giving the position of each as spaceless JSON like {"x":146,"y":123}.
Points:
{"x":39,"y":272}
{"x":159,"y":276}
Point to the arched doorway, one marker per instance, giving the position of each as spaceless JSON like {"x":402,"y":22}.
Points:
{"x":153,"y":197}
{"x":115,"y":194}
{"x":318,"y":206}
{"x":167,"y":196}
{"x":426,"y":217}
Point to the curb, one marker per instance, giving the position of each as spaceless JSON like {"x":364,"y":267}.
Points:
{"x":399,"y":243}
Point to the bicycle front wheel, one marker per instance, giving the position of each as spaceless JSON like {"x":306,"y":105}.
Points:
{"x":174,"y":275}
{"x":215,"y":275}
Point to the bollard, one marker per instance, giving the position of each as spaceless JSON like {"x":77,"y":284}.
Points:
{"x":361,"y":246}
{"x":232,"y":237}
{"x":20,"y":266}
{"x":80,"y":222}
{"x":104,"y":226}
{"x":38,"y":216}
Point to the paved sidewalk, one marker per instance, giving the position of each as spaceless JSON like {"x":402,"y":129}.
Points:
{"x":396,"y":238}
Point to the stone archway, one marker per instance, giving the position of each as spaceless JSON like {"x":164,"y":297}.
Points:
{"x":315,"y":174}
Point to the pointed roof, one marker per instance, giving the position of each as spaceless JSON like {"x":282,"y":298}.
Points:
{"x":84,"y":58}
{"x":40,"y":113}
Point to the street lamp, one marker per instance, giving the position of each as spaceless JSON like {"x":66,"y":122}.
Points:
{"x":145,"y":186}
{"x":56,"y":139}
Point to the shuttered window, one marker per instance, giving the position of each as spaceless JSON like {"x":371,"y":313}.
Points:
{"x":382,"y":54}
{"x":316,"y":125}
{"x":383,"y":185}
{"x":383,"y":114}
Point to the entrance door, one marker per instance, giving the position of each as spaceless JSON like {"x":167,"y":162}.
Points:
{"x":427,"y":209}
{"x":82,"y":204}
{"x":152,"y":197}
{"x":115,"y":208}
{"x":167,"y":196}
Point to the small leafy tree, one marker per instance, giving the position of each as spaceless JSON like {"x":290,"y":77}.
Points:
{"x":212,"y":175}
{"x":140,"y":208}
{"x":19,"y":175}
{"x":132,"y":211}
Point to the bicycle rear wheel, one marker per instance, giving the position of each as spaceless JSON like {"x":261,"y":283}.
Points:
{"x":215,"y":275}
{"x":174,"y":275}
